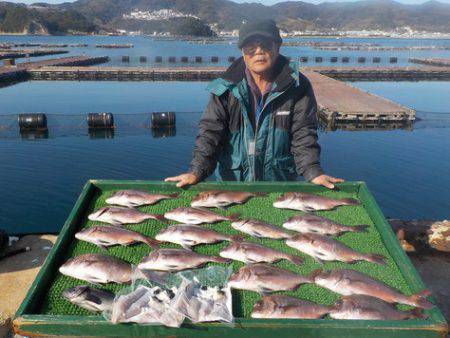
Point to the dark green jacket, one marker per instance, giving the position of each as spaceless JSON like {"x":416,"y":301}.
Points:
{"x":284,"y":141}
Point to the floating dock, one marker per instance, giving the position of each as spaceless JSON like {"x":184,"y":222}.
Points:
{"x":340,"y":102}
{"x":15,"y":54}
{"x":432,"y":62}
{"x":337,"y":100}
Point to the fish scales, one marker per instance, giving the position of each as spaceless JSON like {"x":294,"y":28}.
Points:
{"x":259,"y":228}
{"x":135,"y":198}
{"x":308,"y":202}
{"x":118,"y":216}
{"x":190,"y":215}
{"x":222,"y":198}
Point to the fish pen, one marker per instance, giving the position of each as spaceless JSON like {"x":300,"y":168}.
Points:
{"x":45,"y":313}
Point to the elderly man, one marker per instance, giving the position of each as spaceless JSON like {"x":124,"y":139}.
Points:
{"x":261,"y":121}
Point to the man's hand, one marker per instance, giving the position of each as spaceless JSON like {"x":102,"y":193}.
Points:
{"x":326,"y":181}
{"x":183,"y":179}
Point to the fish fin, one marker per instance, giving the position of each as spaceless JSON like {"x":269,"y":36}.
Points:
{"x":295,"y":259}
{"x":318,"y":260}
{"x":360,"y":228}
{"x":102,"y":247}
{"x":221,"y":207}
{"x":350,"y":201}
{"x":377,"y":259}
{"x":314,"y":274}
{"x":186,"y":247}
{"x":151,"y":243}
{"x":234,"y":217}
{"x":220,"y":260}
{"x":174,"y":195}
{"x":417,"y":314}
{"x":116,"y":223}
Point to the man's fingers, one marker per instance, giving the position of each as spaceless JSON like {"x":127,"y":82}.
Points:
{"x":335,"y":180}
{"x":181,"y":184}
{"x":328,"y":185}
{"x":172,"y":179}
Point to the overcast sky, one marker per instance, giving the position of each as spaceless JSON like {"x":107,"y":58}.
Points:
{"x":266,"y":2}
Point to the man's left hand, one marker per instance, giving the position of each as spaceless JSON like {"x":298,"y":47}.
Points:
{"x":326,"y":181}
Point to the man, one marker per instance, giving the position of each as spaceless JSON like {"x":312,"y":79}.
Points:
{"x":261,"y":121}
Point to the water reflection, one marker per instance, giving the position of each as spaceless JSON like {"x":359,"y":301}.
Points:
{"x":365,"y":126}
{"x":164,"y":132}
{"x":30,"y":135}
{"x":101,"y":133}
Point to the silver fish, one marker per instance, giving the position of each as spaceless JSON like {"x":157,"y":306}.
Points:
{"x":361,"y":307}
{"x":259,"y":228}
{"x":190,"y":215}
{"x":88,"y":298}
{"x":104,"y":236}
{"x":222,"y":198}
{"x":350,"y":282}
{"x":281,"y":306}
{"x":310,"y":223}
{"x":324,"y":248}
{"x":176,"y":260}
{"x":119,"y":216}
{"x":97,"y":268}
{"x":136,"y":198}
{"x":255,"y":253}
{"x":190,"y":235}
{"x":264,"y":278}
{"x":308,"y":202}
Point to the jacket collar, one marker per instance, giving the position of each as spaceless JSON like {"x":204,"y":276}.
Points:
{"x":285,"y":73}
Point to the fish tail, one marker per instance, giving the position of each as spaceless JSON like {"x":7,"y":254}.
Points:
{"x":295,"y":259}
{"x":314,"y":274}
{"x":234,"y":217}
{"x":349,"y":201}
{"x":417,"y":314}
{"x":216,"y":259}
{"x":160,"y":218}
{"x":174,"y":195}
{"x":237,"y":238}
{"x":151,"y":242}
{"x":377,"y":259}
{"x":360,"y":228}
{"x":419,"y":300}
{"x":260,"y":194}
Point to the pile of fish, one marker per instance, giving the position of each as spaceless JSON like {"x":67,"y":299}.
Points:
{"x":318,"y":237}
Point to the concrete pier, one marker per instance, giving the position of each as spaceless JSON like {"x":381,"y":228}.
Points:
{"x":432,"y":62}
{"x":15,"y":54}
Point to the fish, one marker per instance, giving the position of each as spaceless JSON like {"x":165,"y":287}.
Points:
{"x":259,"y":228}
{"x":197,"y":216}
{"x":265,"y":278}
{"x":190,"y":235}
{"x":136,"y":198}
{"x":285,"y":307}
{"x":254,"y":253}
{"x":324,"y":248}
{"x":118,"y":216}
{"x":104,"y":236}
{"x":88,"y":298}
{"x":222,"y":198}
{"x":362,"y":307}
{"x":97,"y":268}
{"x":308,"y":202}
{"x":176,"y":260}
{"x":350,"y":282}
{"x":309,"y":223}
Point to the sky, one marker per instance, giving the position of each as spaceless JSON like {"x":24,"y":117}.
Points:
{"x":265,"y":2}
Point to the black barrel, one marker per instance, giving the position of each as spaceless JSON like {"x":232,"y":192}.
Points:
{"x":214,"y":59}
{"x":32,"y":121}
{"x":376,"y":59}
{"x":158,"y":59}
{"x":303,"y":59}
{"x":125,"y":58}
{"x":231,"y":59}
{"x":143,"y":59}
{"x":319,"y":59}
{"x":345,"y":59}
{"x":163,"y":119}
{"x":361,"y":59}
{"x":198,"y":59}
{"x":172,"y":59}
{"x":184,"y":59}
{"x":100,"y":120}
{"x":393,"y":59}
{"x":333,"y":59}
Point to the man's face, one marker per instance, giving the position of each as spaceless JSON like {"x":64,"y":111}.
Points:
{"x":260,"y":54}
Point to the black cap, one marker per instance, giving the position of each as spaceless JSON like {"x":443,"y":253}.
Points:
{"x":265,"y":28}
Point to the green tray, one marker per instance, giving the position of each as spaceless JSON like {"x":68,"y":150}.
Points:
{"x":44,"y":313}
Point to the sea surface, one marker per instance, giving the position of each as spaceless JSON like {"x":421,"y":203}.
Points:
{"x":41,"y":175}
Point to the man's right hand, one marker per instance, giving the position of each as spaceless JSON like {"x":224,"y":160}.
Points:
{"x":183,"y":179}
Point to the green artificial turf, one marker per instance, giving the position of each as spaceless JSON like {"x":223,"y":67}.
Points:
{"x":260,"y":208}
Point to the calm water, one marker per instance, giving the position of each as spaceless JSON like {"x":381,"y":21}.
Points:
{"x":146,"y":46}
{"x":407,"y":170}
